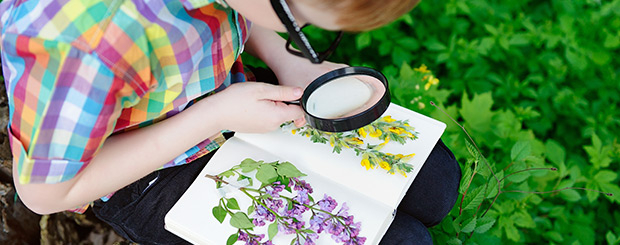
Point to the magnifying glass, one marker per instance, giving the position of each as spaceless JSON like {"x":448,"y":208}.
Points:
{"x":345,"y":99}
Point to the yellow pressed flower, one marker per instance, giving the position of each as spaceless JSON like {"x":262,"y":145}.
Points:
{"x":385,"y":165}
{"x":362,"y":132}
{"x":356,"y":141}
{"x":331,"y":141}
{"x":396,"y":130}
{"x":294,"y":131}
{"x":366,"y":163}
{"x":422,"y":68}
{"x":407,"y":157}
{"x":375,"y":133}
{"x":388,"y":119}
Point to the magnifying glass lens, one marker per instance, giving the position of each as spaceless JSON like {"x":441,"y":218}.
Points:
{"x":345,"y":96}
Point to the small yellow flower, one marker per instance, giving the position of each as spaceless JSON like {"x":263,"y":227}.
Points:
{"x":388,"y":119}
{"x":406,"y":158}
{"x":431,"y":81}
{"x":422,"y":68}
{"x":385,"y":165}
{"x":294,"y":131}
{"x":396,"y":130}
{"x":362,"y":132}
{"x":356,"y":141}
{"x":366,"y":163}
{"x":375,"y":133}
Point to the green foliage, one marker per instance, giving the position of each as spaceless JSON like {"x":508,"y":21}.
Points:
{"x":535,"y":83}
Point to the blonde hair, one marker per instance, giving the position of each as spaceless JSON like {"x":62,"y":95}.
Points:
{"x":361,"y":15}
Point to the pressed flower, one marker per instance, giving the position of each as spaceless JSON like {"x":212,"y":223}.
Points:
{"x":385,"y":165}
{"x":366,"y":163}
{"x":362,"y":132}
{"x":294,"y":131}
{"x":355,"y":141}
{"x":388,"y":119}
{"x":376,"y":133}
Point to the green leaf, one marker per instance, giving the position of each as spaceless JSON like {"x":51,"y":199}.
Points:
{"x":519,"y":40}
{"x":363,"y":40}
{"x":523,"y":219}
{"x":611,"y":238}
{"x":232,"y":239}
{"x":227,"y":173}
{"x":272,"y":230}
{"x":454,"y":241}
{"x":577,"y":61}
{"x":554,"y":235}
{"x":219,"y":213}
{"x":232,"y":204}
{"x":570,"y":195}
{"x":240,"y":220}
{"x":469,"y":225}
{"x":477,"y":112}
{"x":605,"y":176}
{"x":289,"y":170}
{"x":555,"y":153}
{"x":434,"y":45}
{"x":266,"y":174}
{"x":251,"y":209}
{"x":473,"y":198}
{"x":248,"y":165}
{"x":484,"y":224}
{"x":520,"y":150}
{"x":491,"y":29}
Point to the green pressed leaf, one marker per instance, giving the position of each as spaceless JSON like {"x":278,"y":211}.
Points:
{"x":232,"y":239}
{"x":469,"y":225}
{"x":289,"y":170}
{"x":520,"y":150}
{"x":248,"y":165}
{"x":219,"y":213}
{"x":484,"y":224}
{"x":240,"y":220}
{"x":266,"y":174}
{"x":232,"y":204}
{"x":250,"y":209}
{"x":227,"y":174}
{"x":272,"y":230}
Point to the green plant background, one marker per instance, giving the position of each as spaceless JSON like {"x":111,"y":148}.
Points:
{"x":536,"y":85}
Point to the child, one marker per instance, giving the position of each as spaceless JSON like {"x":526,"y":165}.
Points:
{"x":85,"y":79}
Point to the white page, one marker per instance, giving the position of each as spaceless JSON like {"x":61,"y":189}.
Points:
{"x":345,"y":167}
{"x":191,"y":217}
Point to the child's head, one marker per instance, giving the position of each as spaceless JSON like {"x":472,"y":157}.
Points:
{"x":347,"y":15}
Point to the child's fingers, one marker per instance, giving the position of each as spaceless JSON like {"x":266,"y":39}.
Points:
{"x":280,"y":93}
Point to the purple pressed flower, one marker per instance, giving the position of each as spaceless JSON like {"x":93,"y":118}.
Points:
{"x":302,"y":185}
{"x":275,"y":189}
{"x":242,"y":236}
{"x":318,"y":222}
{"x":327,"y":203}
{"x":302,"y":197}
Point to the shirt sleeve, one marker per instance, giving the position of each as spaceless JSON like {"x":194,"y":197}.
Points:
{"x":63,"y":104}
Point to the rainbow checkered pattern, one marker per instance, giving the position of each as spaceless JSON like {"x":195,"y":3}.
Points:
{"x":78,"y":71}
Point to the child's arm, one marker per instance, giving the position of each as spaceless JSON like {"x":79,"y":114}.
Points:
{"x":125,"y":158}
{"x":291,"y":70}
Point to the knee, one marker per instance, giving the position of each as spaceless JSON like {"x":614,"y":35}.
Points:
{"x":435,"y":190}
{"x":406,"y":230}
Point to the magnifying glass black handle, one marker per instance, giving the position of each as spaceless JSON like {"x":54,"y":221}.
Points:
{"x":294,"y":102}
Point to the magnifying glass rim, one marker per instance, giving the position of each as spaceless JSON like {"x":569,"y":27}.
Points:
{"x":351,"y":122}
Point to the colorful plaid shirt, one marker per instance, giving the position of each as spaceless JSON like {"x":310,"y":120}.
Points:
{"x":79,"y":71}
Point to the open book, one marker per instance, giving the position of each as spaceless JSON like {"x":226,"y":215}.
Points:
{"x":372,"y":195}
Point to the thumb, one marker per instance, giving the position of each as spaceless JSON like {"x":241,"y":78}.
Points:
{"x":281,"y":93}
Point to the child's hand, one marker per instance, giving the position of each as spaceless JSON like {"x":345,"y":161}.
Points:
{"x":254,"y":107}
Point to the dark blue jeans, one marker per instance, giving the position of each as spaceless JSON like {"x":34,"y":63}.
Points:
{"x":137,"y":211}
